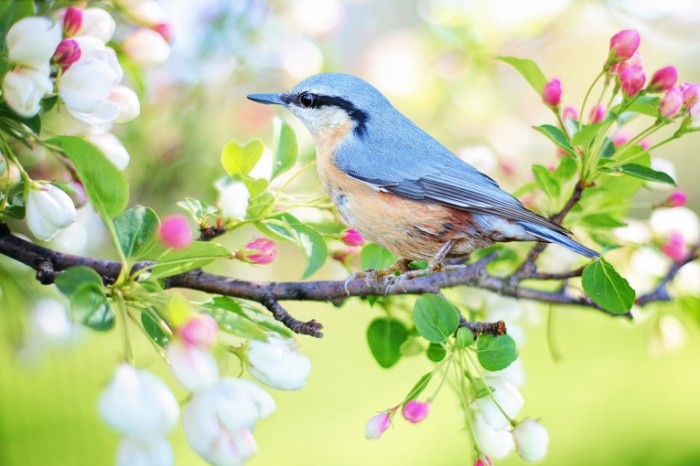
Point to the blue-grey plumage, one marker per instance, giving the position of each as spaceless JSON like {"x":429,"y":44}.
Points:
{"x":379,"y":167}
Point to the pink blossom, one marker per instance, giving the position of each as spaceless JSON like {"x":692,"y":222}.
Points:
{"x":415,"y":411}
{"x":664,"y":79}
{"x":175,"y":232}
{"x":691,"y":94}
{"x":551,"y":93}
{"x":624,"y":44}
{"x":620,"y":138}
{"x":72,"y":21}
{"x":671,"y":103}
{"x":165,"y":29}
{"x":260,"y":251}
{"x":201,"y":330}
{"x":597,"y":114}
{"x":377,"y":425}
{"x":351,"y":237}
{"x":485,"y":461}
{"x":675,"y":247}
{"x":632,"y":80}
{"x":67,"y":53}
{"x":569,"y":113}
{"x":676,"y":199}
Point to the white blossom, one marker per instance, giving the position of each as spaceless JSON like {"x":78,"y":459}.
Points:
{"x":531,"y":440}
{"x":193,"y":367}
{"x":147,"y":12}
{"x":233,"y":198}
{"x":127,"y":101}
{"x":277,"y":363}
{"x":97,"y":23}
{"x":664,"y":221}
{"x":496,"y":444}
{"x":48,"y":211}
{"x":146,"y":47}
{"x":23,"y":89}
{"x":508,"y":398}
{"x":32,"y":41}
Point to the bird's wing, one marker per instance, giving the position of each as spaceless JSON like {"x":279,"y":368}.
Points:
{"x":410,"y":171}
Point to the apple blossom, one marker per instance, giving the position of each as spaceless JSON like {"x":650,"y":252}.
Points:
{"x":127,"y":101}
{"x":675,"y":247}
{"x":72,"y":21}
{"x":624,"y":44}
{"x":146,"y":47}
{"x":597,"y":114}
{"x":632,"y":80}
{"x":200,"y":330}
{"x":691,"y":94}
{"x":664,"y":221}
{"x":663,"y":79}
{"x":676,"y":199}
{"x":97,"y":23}
{"x":671,"y":103}
{"x":67,"y":53}
{"x":277,"y":363}
{"x":508,"y":398}
{"x":192,"y":366}
{"x":175,"y":232}
{"x":23,"y":89}
{"x":134,"y":451}
{"x":494,"y":443}
{"x":146,"y":12}
{"x":259,"y":251}
{"x":415,"y":411}
{"x":48,"y":211}
{"x":352,"y":238}
{"x":551,"y":93}
{"x":531,"y":440}
{"x":32,"y":41}
{"x":111,"y":147}
{"x":377,"y":425}
{"x":138,"y":403}
{"x":233,"y":198}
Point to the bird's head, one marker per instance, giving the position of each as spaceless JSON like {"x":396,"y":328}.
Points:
{"x":325,"y":101}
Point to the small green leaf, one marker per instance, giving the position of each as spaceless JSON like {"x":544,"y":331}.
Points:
{"x":375,"y":257}
{"x":585,"y":135}
{"x":419,"y":387}
{"x":529,"y":70}
{"x":645,"y":173}
{"x":153,"y":330}
{"x":71,"y":280}
{"x":435,"y":318}
{"x":313,"y":245}
{"x":645,"y":105}
{"x":495,"y":353}
{"x":412,"y":347}
{"x":436,"y":352}
{"x":240,"y":160}
{"x":105,"y":185}
{"x":385,"y":337}
{"x":602,"y":221}
{"x":546,"y":181}
{"x":88,"y":303}
{"x":566,"y":170}
{"x":557,"y":136}
{"x":287,"y":150}
{"x":260,"y":206}
{"x":465,"y":337}
{"x":606,"y":287}
{"x":197,"y":255}
{"x":136,"y":229}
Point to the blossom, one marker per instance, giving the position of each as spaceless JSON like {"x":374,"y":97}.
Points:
{"x":664,"y":221}
{"x":675,"y":248}
{"x":111,"y":147}
{"x":175,"y":232}
{"x":134,"y":451}
{"x":551,"y":93}
{"x":508,"y":398}
{"x":192,"y":366}
{"x":676,"y":199}
{"x":531,"y":440}
{"x":377,"y":425}
{"x":147,"y":12}
{"x":72,"y":21}
{"x":138,"y":403}
{"x":632,"y":80}
{"x":49,"y":210}
{"x":23,"y":89}
{"x":569,"y":113}
{"x":200,"y":330}
{"x":146,"y":47}
{"x":277,"y":363}
{"x":663,"y":79}
{"x":624,"y":44}
{"x":96,"y":23}
{"x":351,"y":237}
{"x":233,"y":198}
{"x":415,"y":411}
{"x":597,"y":114}
{"x":671,"y":103}
{"x":67,"y":53}
{"x":219,"y":419}
{"x":32,"y":41}
{"x":127,"y":101}
{"x":691,"y":94}
{"x":259,"y":251}
{"x":494,"y":443}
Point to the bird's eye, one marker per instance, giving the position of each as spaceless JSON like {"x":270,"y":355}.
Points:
{"x":306,"y":99}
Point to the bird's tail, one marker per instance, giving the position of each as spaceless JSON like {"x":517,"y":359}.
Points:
{"x":552,"y":236}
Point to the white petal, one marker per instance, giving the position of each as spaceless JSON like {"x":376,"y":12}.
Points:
{"x":146,"y":47}
{"x":128,"y":103}
{"x":193,"y":367}
{"x":277,"y":363}
{"x":495,"y":443}
{"x":233,"y":198}
{"x":531,"y":440}
{"x":139,"y":452}
{"x":112,"y":148}
{"x":97,"y":23}
{"x":23,"y":89}
{"x":49,"y":210}
{"x":32,"y":41}
{"x":508,"y":398}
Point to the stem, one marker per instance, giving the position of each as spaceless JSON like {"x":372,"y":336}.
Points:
{"x":493,"y":398}
{"x":444,"y":377}
{"x":296,"y":175}
{"x":551,"y":336}
{"x":121,"y":306}
{"x":588,"y":92}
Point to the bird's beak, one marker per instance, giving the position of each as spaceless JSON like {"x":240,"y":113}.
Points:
{"x":267,"y":98}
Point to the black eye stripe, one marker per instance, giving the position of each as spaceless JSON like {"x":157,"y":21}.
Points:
{"x":310,"y":100}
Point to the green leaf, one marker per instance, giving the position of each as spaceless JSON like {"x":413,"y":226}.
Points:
{"x":566,"y":170}
{"x":311,"y":241}
{"x":465,"y":337}
{"x":606,"y":287}
{"x":419,"y":387}
{"x":105,"y":185}
{"x":198,"y":254}
{"x":385,"y":337}
{"x":247,"y":323}
{"x":602,"y":221}
{"x":154,"y":330}
{"x":585,"y":135}
{"x":412,"y":347}
{"x":546,"y":181}
{"x":240,"y":160}
{"x":495,"y":353}
{"x":529,"y":70}
{"x":645,"y":105}
{"x":260,"y":206}
{"x":436,"y":352}
{"x":12,"y":11}
{"x":557,"y":136}
{"x":286,"y":152}
{"x":33,"y":123}
{"x":88,"y":303}
{"x":435,"y":318}
{"x":136,"y":229}
{"x":375,"y":257}
{"x":645,"y":173}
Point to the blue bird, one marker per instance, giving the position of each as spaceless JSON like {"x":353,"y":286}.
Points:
{"x":399,"y":187}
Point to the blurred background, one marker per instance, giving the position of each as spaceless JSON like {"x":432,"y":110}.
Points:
{"x":621,"y":393}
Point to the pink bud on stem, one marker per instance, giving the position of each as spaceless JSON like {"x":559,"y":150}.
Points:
{"x":632,"y":80}
{"x":663,"y":80}
{"x":623,"y":45}
{"x":67,"y":53}
{"x":551,"y":93}
{"x":597,"y":114}
{"x":175,"y":232}
{"x":671,"y":103}
{"x":351,"y":237}
{"x":676,"y":199}
{"x":415,"y":411}
{"x":259,"y":251}
{"x":675,"y":247}
{"x":72,"y":21}
{"x":377,"y":425}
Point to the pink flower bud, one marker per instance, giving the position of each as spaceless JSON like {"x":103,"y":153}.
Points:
{"x":415,"y":411}
{"x":664,"y":79}
{"x":620,"y":138}
{"x":72,"y":21}
{"x":676,"y":199}
{"x":675,"y":247}
{"x":632,"y":80}
{"x":175,"y":232}
{"x":377,"y":425}
{"x":201,"y":330}
{"x":569,"y":113}
{"x":551,"y":93}
{"x":67,"y":53}
{"x":165,"y":30}
{"x":671,"y":103}
{"x":485,"y":461}
{"x":260,"y":251}
{"x":352,"y":238}
{"x":691,"y":94}
{"x":624,"y":44}
{"x":597,"y":114}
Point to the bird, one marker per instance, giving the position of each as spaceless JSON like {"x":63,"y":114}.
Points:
{"x":398,"y":186}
